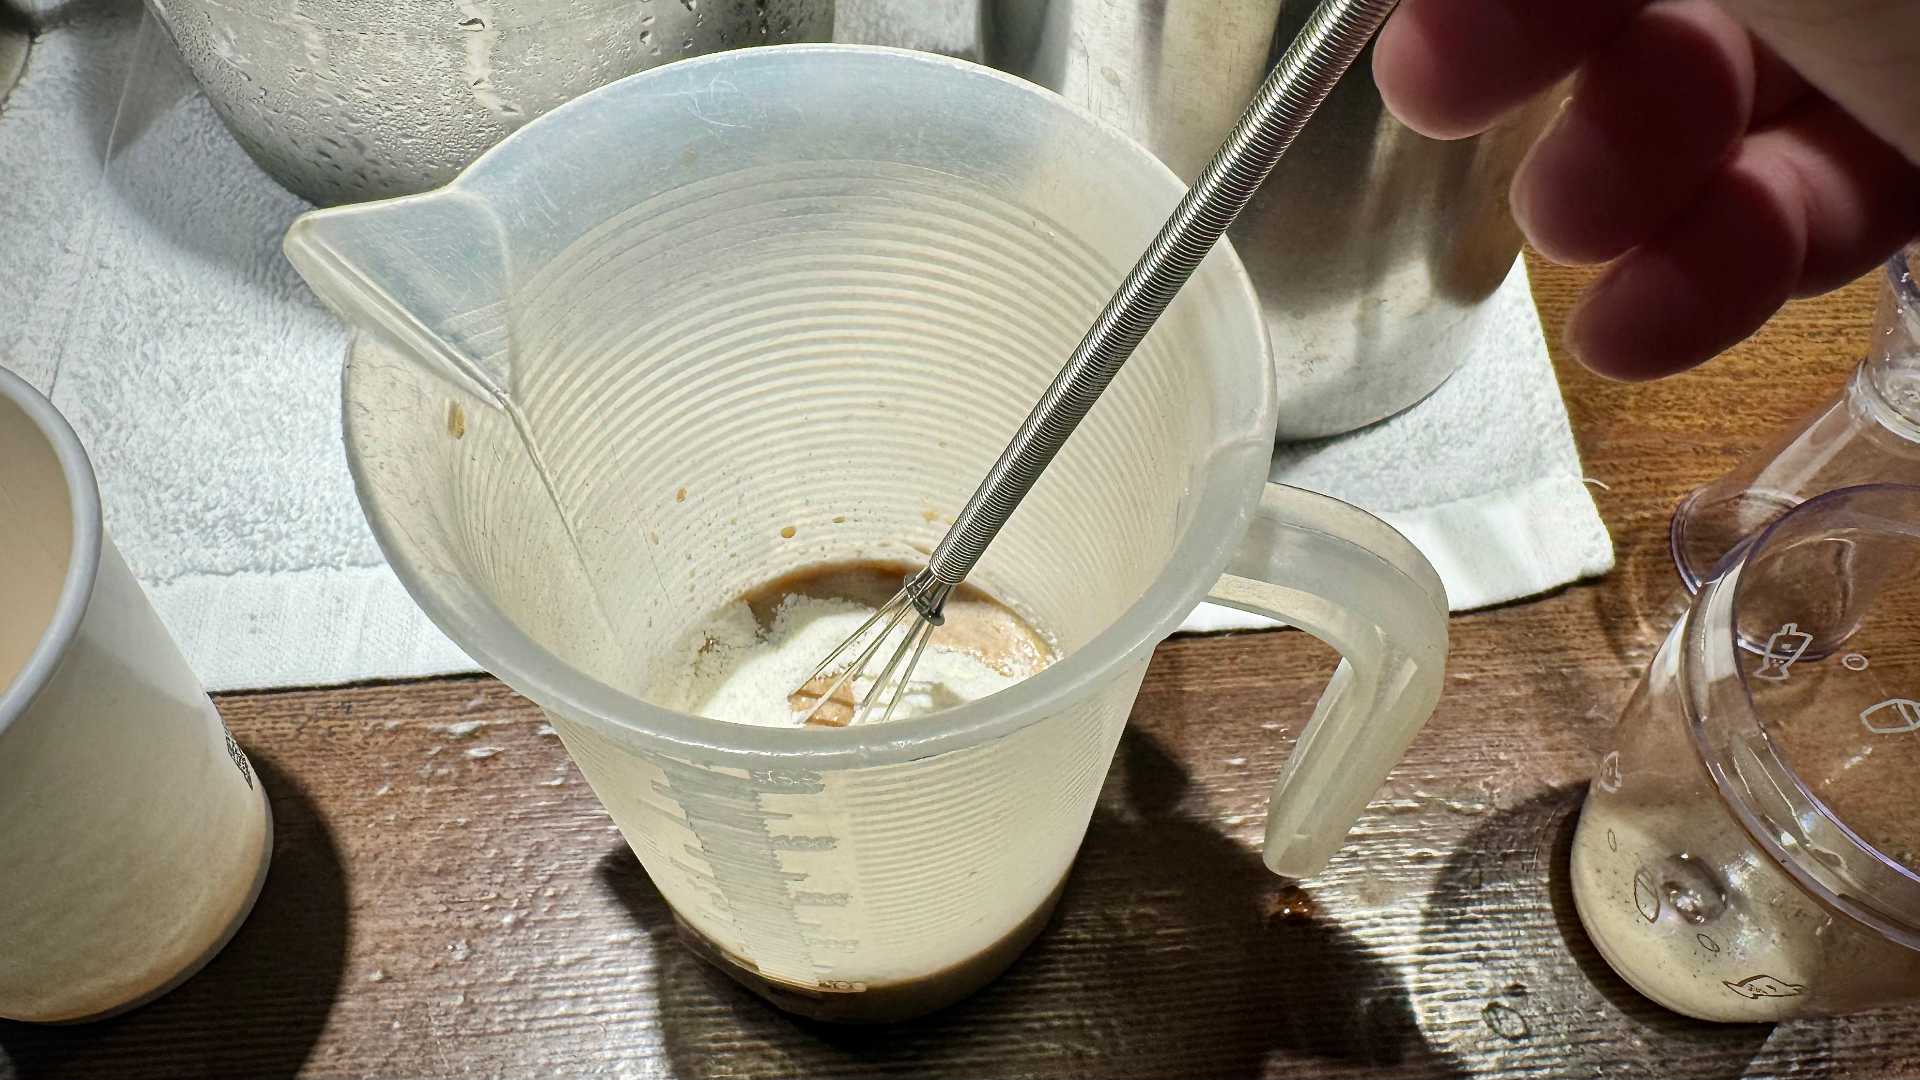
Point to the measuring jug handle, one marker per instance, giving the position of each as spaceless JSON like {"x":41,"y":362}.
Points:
{"x":1349,"y":579}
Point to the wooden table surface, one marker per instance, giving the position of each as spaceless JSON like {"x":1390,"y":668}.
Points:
{"x":448,"y":904}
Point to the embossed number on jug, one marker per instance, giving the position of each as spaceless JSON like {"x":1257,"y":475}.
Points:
{"x":785,"y":781}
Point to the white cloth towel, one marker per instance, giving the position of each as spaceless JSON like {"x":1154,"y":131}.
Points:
{"x":1482,"y":476}
{"x":142,"y":286}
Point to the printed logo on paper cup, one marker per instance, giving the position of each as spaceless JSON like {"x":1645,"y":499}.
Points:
{"x":239,"y":757}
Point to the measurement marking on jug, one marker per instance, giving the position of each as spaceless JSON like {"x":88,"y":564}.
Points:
{"x":1755,"y":987}
{"x":1853,"y":661}
{"x":1894,"y":716}
{"x":1646,"y":894}
{"x":688,"y":868}
{"x":802,"y":843}
{"x":1707,"y":943}
{"x":1786,"y":645}
{"x":1609,"y":778}
{"x":783,"y":781}
{"x":731,"y":816}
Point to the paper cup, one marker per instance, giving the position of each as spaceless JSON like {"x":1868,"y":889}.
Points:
{"x":134,"y":835}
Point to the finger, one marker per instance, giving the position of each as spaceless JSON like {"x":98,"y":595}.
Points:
{"x":1861,"y":196}
{"x":1861,"y":54}
{"x":1718,"y":272}
{"x":1449,"y":69}
{"x":1805,"y":206}
{"x":1776,"y":86}
{"x":1653,"y":117}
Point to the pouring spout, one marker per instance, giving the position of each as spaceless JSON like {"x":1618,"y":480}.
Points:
{"x":427,"y":272}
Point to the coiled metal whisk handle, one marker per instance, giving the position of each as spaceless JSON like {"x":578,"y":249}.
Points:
{"x":1333,"y":37}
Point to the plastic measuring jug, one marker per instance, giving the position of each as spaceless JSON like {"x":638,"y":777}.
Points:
{"x":745,"y":314}
{"x":1749,"y":848}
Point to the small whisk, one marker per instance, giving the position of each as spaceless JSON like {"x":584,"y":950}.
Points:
{"x":1334,"y":35}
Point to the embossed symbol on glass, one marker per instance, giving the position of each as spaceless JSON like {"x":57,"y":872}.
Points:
{"x":1894,"y":716}
{"x":1755,"y":987}
{"x":1788,"y":644}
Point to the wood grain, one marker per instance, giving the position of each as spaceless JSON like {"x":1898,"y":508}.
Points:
{"x":452,"y":902}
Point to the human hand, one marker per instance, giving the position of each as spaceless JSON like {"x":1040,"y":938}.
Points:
{"x":1724,"y":156}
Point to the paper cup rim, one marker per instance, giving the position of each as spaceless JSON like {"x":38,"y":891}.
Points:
{"x":83,"y":560}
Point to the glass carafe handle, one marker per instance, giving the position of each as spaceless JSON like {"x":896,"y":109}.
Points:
{"x":1350,"y":580}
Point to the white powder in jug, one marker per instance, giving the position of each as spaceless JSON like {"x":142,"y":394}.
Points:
{"x":742,"y":672}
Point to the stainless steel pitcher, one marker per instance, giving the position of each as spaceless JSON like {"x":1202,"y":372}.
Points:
{"x":345,"y":100}
{"x":1372,"y":247}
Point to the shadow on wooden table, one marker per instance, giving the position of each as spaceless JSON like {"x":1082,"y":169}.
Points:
{"x":1646,"y":597}
{"x":258,"y":1008}
{"x":1537,"y":998}
{"x":1174,"y":953}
